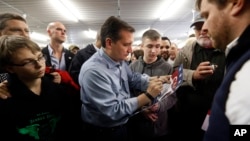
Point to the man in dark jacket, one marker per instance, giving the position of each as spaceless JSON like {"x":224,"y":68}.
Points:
{"x":56,"y":54}
{"x":228,"y":25}
{"x":83,"y":55}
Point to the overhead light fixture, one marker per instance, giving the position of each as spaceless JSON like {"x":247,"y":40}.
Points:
{"x":67,"y":9}
{"x":39,"y":37}
{"x":90,"y":33}
{"x":170,"y":7}
{"x":163,"y":6}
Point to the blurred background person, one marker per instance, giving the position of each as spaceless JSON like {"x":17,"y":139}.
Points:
{"x":136,"y":54}
{"x":82,"y":56}
{"x":165,"y":45}
{"x":74,"y":49}
{"x":172,"y":52}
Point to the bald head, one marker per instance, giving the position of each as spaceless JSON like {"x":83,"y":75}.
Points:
{"x":54,"y":25}
{"x":56,"y":32}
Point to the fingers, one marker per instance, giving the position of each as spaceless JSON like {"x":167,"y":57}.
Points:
{"x":203,"y":70}
{"x":153,"y":117}
{"x":155,"y":87}
{"x":57,"y":77}
{"x":164,"y":78}
{"x":4,"y":92}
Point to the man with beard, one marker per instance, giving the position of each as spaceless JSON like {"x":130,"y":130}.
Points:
{"x":228,"y":23}
{"x":165,"y":45}
{"x":203,"y":69}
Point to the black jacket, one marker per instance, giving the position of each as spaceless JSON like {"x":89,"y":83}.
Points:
{"x":68,"y":57}
{"x":81,"y":56}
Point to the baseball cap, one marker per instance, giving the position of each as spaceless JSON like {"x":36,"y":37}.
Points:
{"x":197,"y":19}
{"x":73,"y":46}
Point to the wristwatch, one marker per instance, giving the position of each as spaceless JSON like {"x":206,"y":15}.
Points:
{"x":149,"y":96}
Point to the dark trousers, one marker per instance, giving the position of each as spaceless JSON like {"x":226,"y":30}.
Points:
{"x":118,"y":133}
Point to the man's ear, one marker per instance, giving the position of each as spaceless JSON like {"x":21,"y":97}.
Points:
{"x":237,"y":6}
{"x":108,"y":43}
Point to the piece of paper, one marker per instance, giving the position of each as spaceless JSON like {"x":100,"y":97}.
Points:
{"x":176,"y":81}
{"x":169,"y":89}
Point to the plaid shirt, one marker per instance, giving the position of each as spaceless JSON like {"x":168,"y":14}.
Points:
{"x":3,"y":76}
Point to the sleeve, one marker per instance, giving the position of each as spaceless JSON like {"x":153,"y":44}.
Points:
{"x":187,"y":73}
{"x":99,"y":89}
{"x":75,"y":66}
{"x":237,"y":105}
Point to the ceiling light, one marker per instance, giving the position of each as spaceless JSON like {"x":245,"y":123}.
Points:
{"x":171,"y":7}
{"x":39,"y":36}
{"x":90,"y":33}
{"x":67,"y":9}
{"x":163,"y":6}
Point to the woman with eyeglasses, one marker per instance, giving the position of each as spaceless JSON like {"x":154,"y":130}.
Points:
{"x":39,"y":108}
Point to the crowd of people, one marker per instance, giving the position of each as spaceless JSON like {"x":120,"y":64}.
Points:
{"x":54,"y":93}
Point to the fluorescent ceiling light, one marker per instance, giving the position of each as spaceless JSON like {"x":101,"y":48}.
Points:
{"x":39,"y":37}
{"x":90,"y":33}
{"x":67,"y":9}
{"x":169,"y":8}
{"x":163,"y":7}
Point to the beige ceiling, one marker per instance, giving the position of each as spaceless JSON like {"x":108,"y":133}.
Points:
{"x":138,"y":13}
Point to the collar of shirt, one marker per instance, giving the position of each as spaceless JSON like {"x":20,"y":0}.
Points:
{"x":51,"y":50}
{"x":110,"y":62}
{"x":231,"y":45}
{"x":96,"y":48}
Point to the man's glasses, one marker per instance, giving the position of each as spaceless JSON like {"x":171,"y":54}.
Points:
{"x":31,"y":62}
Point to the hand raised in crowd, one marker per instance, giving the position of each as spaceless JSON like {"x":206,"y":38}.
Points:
{"x":203,"y":70}
{"x":4,"y":92}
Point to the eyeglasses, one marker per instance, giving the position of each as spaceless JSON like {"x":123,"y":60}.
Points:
{"x":31,"y":62}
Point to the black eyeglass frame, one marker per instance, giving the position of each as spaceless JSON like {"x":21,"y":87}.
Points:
{"x":31,"y":62}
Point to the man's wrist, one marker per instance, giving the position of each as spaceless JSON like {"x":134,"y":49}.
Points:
{"x":149,"y":96}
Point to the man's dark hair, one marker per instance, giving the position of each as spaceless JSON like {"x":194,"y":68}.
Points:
{"x":9,"y":16}
{"x":111,"y":29}
{"x":165,"y":38}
